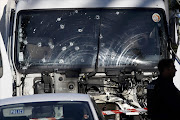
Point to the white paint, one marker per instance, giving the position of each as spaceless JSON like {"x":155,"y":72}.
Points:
{"x":6,"y":79}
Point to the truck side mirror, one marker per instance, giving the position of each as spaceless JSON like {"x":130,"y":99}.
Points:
{"x":178,"y":17}
{"x":174,"y":27}
{"x":178,"y":26}
{"x":1,"y":68}
{"x":178,"y":1}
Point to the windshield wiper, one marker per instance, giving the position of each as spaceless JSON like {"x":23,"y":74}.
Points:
{"x":98,"y":49}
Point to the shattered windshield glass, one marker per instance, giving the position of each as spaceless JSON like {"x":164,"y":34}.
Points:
{"x":74,"y":38}
{"x":133,"y":36}
{"x":64,"y":37}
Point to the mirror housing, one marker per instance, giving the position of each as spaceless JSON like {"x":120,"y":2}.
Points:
{"x":1,"y":68}
{"x":174,"y":27}
{"x":178,"y":1}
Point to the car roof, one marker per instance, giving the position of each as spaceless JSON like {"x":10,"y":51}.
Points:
{"x":45,"y":98}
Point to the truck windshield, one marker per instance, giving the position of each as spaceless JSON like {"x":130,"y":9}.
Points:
{"x":75,"y":37}
{"x":47,"y":111}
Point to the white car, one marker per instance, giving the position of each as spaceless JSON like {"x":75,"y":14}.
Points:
{"x":62,"y":106}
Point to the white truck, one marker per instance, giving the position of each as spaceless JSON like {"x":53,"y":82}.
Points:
{"x":106,"y":48}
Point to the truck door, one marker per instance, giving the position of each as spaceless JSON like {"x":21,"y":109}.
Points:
{"x":5,"y":73}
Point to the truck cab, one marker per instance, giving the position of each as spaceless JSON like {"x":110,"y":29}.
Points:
{"x":106,"y":48}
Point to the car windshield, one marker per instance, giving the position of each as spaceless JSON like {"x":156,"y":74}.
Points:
{"x":73,"y":38}
{"x":47,"y":111}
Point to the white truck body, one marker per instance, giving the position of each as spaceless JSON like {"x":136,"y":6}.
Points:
{"x":5,"y":73}
{"x":106,"y":68}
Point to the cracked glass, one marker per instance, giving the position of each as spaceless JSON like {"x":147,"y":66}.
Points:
{"x":73,"y":38}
